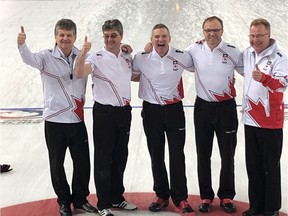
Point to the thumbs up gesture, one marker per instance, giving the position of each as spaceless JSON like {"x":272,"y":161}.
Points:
{"x":86,"y":46}
{"x":21,"y":37}
{"x":257,"y":74}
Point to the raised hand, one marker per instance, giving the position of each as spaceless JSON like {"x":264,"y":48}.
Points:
{"x":201,"y":41}
{"x":21,"y":37}
{"x":148,"y":47}
{"x":86,"y":46}
{"x":126,"y":48}
{"x":257,"y":74}
{"x":80,"y":68}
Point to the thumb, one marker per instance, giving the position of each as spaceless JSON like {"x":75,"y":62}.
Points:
{"x":22,"y":29}
{"x":257,"y":68}
{"x":86,"y":39}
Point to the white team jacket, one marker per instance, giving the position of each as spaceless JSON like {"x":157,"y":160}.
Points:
{"x":64,"y":94}
{"x":263,"y":102}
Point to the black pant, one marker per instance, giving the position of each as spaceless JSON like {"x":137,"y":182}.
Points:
{"x":59,"y":137}
{"x":111,"y":130}
{"x":263,"y":153}
{"x":156,"y":121}
{"x":219,"y":118}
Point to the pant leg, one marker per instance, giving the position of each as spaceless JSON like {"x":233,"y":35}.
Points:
{"x":79,"y":150}
{"x":253,"y":167}
{"x":154,"y":129}
{"x":263,"y":153}
{"x":120,"y":153}
{"x":273,"y":142}
{"x":103,"y":136}
{"x":176,"y":132}
{"x":226,"y":127}
{"x":204,"y":133}
{"x":57,"y":141}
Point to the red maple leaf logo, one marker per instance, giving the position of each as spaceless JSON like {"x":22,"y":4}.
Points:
{"x":226,"y":96}
{"x":174,"y":100}
{"x":222,"y":97}
{"x":257,"y":112}
{"x":79,"y":110}
{"x":181,"y":88}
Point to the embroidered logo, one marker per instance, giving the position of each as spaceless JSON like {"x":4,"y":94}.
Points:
{"x":175,"y":65}
{"x":267,"y":65}
{"x":225,"y":58}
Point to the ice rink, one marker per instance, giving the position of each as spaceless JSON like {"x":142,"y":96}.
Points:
{"x":22,"y":140}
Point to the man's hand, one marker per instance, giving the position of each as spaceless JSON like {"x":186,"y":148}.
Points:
{"x":148,"y":47}
{"x":81,"y":69}
{"x":257,"y":74}
{"x":21,"y":37}
{"x":86,"y":46}
{"x":126,"y":48}
{"x":200,"y":41}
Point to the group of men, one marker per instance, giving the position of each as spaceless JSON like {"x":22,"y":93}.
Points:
{"x":64,"y":71}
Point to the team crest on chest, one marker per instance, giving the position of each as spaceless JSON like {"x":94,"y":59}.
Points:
{"x":224,"y":58}
{"x":175,"y":65}
{"x":267,"y":65}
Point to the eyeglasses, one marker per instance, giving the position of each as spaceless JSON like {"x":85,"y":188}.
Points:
{"x":112,"y":36}
{"x":257,"y":36}
{"x":211,"y":30}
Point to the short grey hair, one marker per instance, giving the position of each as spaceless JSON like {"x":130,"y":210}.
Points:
{"x":66,"y":24}
{"x":261,"y":21}
{"x":113,"y":24}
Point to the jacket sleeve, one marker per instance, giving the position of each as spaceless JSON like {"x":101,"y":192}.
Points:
{"x":278,"y":79}
{"x":35,"y":60}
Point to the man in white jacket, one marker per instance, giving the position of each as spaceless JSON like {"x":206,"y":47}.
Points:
{"x":64,"y":97}
{"x":162,"y":92}
{"x":215,"y":112}
{"x":111,"y":71}
{"x":266,"y":78}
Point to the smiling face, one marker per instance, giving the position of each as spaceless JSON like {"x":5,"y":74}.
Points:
{"x":212,"y":30}
{"x":259,"y":37}
{"x":112,"y":34}
{"x":112,"y":40}
{"x":160,"y":39}
{"x":65,"y":40}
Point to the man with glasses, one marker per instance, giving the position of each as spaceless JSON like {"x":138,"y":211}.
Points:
{"x":266,"y":78}
{"x":63,"y":113}
{"x":111,"y":71}
{"x":215,"y":111}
